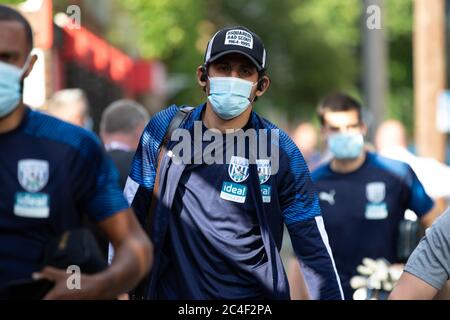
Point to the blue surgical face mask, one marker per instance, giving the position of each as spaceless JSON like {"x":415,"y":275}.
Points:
{"x":229,"y":96}
{"x":10,"y":88}
{"x":346,"y":145}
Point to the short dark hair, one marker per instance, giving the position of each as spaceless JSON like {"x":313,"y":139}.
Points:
{"x":123,"y":116}
{"x":338,"y":102}
{"x":9,"y":14}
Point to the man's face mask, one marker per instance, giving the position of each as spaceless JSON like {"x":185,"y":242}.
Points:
{"x":229,"y":96}
{"x":346,"y":146}
{"x":10,"y":87}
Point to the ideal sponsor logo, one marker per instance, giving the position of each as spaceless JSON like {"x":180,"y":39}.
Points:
{"x":376,"y":211}
{"x":233,"y":192}
{"x":239,"y":38}
{"x":32,"y":205}
{"x":266,"y":192}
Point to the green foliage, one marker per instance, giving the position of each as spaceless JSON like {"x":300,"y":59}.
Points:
{"x":171,"y":31}
{"x":314,"y":46}
{"x":399,"y":22}
{"x":312,"y":49}
{"x":163,"y":26}
{"x":10,"y":1}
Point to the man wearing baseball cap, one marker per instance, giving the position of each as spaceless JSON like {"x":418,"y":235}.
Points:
{"x":217,"y":226}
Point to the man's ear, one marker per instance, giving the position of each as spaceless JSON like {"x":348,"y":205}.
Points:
{"x":364,"y":129}
{"x":323,"y":134}
{"x":201,"y":76}
{"x":263,"y":86}
{"x":29,"y":66}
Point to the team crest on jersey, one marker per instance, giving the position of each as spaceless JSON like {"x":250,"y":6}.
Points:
{"x":264,"y":170}
{"x":238,"y":169}
{"x":33,"y":174}
{"x":376,"y":191}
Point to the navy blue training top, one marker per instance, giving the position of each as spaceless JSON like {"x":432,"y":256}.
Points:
{"x":217,"y":220}
{"x":362,"y":210}
{"x":215,"y":242}
{"x":50,"y":173}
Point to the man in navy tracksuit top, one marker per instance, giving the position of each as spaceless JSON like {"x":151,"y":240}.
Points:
{"x":52,"y":174}
{"x":363,"y":196}
{"x":217,"y":227}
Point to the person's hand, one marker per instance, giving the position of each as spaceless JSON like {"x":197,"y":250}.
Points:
{"x":90,"y":286}
{"x":124,"y":296}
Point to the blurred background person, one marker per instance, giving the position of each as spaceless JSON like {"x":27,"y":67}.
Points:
{"x":121,"y":127}
{"x":71,"y":105}
{"x":391,"y":142}
{"x":363,"y":196}
{"x":305,"y":137}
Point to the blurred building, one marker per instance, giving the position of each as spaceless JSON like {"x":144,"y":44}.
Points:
{"x":71,"y":55}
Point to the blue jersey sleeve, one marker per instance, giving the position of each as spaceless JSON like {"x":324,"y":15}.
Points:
{"x":301,"y":213}
{"x":419,"y":201}
{"x":298,"y":199}
{"x":97,"y":183}
{"x":415,"y":196}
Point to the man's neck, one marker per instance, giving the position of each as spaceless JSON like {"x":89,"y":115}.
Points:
{"x":212,"y":121}
{"x":119,"y":141}
{"x":13,"y":120}
{"x":348,"y":166}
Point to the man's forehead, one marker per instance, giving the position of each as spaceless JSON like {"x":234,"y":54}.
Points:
{"x":235,"y":58}
{"x":341,"y":117}
{"x":12,"y":37}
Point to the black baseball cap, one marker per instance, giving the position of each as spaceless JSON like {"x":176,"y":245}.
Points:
{"x":236,"y":40}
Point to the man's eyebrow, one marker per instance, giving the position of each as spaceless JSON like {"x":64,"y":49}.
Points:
{"x":9,"y":54}
{"x":221,"y":62}
{"x":250,"y":66}
{"x":348,"y":125}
